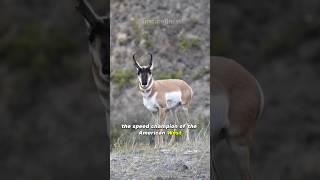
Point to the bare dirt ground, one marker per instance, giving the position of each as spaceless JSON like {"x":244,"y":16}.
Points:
{"x":180,"y":161}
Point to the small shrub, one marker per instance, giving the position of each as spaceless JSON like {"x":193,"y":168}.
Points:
{"x":121,"y":77}
{"x":169,"y":75}
{"x":199,"y":73}
{"x":185,"y":43}
{"x":135,"y":26}
{"x":147,"y":40}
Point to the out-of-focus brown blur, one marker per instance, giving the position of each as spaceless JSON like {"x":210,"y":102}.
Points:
{"x":279,"y":42}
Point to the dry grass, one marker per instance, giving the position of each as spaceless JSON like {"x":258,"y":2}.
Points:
{"x":182,"y":160}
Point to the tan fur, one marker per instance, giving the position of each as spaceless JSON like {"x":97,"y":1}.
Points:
{"x":171,"y":85}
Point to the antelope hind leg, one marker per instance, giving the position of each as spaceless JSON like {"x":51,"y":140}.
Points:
{"x":242,"y":152}
{"x":173,"y":137}
{"x":186,"y":112}
{"x":219,"y":123}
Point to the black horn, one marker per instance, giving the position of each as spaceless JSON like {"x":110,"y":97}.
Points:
{"x":87,"y":12}
{"x":150,"y":62}
{"x":135,"y":62}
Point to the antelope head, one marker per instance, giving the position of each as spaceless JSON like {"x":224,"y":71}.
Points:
{"x":98,"y":31}
{"x":144,"y":73}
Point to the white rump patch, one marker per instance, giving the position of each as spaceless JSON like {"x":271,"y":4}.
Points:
{"x":173,"y":99}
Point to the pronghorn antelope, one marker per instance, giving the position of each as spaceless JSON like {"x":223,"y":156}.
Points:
{"x":160,"y":96}
{"x":99,"y":37}
{"x":237,"y":103}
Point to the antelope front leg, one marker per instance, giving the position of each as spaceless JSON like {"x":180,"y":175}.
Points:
{"x":186,"y":112}
{"x":162,"y":117}
{"x":155,"y":121}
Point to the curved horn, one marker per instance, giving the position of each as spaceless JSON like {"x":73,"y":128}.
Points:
{"x":135,"y":62}
{"x":150,"y":62}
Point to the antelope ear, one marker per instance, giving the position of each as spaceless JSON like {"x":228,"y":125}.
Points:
{"x":138,"y":67}
{"x":151,"y":66}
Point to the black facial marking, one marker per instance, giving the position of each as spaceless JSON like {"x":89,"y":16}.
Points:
{"x":145,"y":73}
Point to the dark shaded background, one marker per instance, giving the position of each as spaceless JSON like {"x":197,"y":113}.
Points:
{"x":52,"y":123}
{"x":279,"y":42}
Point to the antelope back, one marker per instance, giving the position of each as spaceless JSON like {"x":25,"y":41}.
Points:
{"x":174,"y":85}
{"x":237,"y":99}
